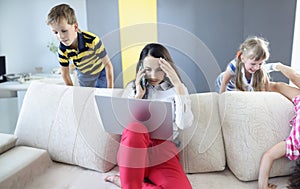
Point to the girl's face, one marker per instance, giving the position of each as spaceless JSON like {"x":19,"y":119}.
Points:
{"x":252,"y":65}
{"x":154,"y":74}
{"x":65,"y":33}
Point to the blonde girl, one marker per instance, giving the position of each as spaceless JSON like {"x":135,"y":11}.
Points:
{"x":245,"y":72}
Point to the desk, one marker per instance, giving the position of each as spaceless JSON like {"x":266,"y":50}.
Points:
{"x":17,"y":86}
{"x":12,"y":89}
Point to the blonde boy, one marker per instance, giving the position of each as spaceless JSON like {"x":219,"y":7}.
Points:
{"x":85,"y":49}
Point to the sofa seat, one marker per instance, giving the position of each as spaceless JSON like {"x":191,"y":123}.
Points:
{"x":64,"y":176}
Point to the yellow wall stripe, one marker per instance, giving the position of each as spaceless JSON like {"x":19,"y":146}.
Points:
{"x":138,"y":26}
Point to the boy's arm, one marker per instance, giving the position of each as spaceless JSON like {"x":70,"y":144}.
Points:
{"x":109,"y":71}
{"x":65,"y":73}
{"x":226,"y":77}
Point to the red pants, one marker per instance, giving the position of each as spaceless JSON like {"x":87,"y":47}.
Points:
{"x":140,"y":157}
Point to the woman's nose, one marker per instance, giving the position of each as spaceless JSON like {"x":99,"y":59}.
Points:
{"x":153,"y":74}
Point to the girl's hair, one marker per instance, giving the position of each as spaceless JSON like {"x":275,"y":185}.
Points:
{"x":294,"y":180}
{"x":62,"y":11}
{"x":252,"y":48}
{"x":157,"y":51}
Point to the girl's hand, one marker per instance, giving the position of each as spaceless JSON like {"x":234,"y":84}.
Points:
{"x":272,"y":186}
{"x":140,"y":92}
{"x":172,"y":75}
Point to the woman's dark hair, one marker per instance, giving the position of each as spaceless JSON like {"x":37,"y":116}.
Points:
{"x":157,"y":51}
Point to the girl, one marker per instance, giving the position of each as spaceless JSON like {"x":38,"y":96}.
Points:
{"x":288,"y":147}
{"x":141,"y":157}
{"x":244,"y":73}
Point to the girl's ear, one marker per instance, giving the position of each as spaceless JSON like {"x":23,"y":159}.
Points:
{"x":243,"y":58}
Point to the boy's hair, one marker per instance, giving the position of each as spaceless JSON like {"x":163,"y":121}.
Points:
{"x":252,"y":48}
{"x":62,"y":11}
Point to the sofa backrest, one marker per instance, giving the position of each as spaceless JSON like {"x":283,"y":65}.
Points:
{"x":253,"y":122}
{"x":64,"y":121}
{"x":202,"y":147}
{"x":243,"y":125}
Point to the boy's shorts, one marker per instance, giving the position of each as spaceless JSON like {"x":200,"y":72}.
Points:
{"x":97,"y":80}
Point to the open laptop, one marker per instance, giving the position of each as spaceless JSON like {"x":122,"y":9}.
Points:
{"x":116,"y":113}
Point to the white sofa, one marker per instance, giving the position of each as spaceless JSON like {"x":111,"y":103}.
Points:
{"x":59,"y":141}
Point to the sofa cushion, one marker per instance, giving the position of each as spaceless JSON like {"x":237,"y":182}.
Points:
{"x":252,"y":122}
{"x":65,"y":121}
{"x":7,"y":141}
{"x":202,"y":148}
{"x":21,"y":165}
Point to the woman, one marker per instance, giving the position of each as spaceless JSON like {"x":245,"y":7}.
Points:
{"x":141,"y":157}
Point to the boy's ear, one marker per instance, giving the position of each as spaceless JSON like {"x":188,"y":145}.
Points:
{"x":76,"y":26}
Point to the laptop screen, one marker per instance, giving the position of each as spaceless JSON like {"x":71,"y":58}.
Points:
{"x":116,"y":113}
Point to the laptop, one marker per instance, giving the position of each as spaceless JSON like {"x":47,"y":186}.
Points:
{"x":116,"y":113}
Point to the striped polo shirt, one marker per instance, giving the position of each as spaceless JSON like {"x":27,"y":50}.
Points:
{"x":88,"y":58}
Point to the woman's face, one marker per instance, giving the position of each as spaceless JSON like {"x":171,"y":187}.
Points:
{"x":252,"y":65}
{"x":154,"y":74}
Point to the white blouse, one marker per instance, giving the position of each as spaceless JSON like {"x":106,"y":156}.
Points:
{"x":182,"y":116}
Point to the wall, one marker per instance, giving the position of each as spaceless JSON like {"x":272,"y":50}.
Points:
{"x":24,"y":34}
{"x":296,"y":42}
{"x":214,"y":29}
{"x":204,"y":35}
{"x":103,"y":20}
{"x":274,"y":20}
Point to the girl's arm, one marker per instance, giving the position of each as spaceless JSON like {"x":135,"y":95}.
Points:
{"x":266,"y":163}
{"x":267,"y":87}
{"x":290,"y":73}
{"x":226,"y":77}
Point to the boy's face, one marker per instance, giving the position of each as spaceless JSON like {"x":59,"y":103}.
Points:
{"x":65,"y":33}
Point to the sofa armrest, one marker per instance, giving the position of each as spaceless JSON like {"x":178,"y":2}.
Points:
{"x":7,"y":141}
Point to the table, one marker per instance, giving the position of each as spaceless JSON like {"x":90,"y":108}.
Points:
{"x":11,"y":98}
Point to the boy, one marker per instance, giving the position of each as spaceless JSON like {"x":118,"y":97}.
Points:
{"x":87,"y":51}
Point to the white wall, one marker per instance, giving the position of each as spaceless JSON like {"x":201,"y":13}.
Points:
{"x":296,"y":43}
{"x":24,"y":34}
